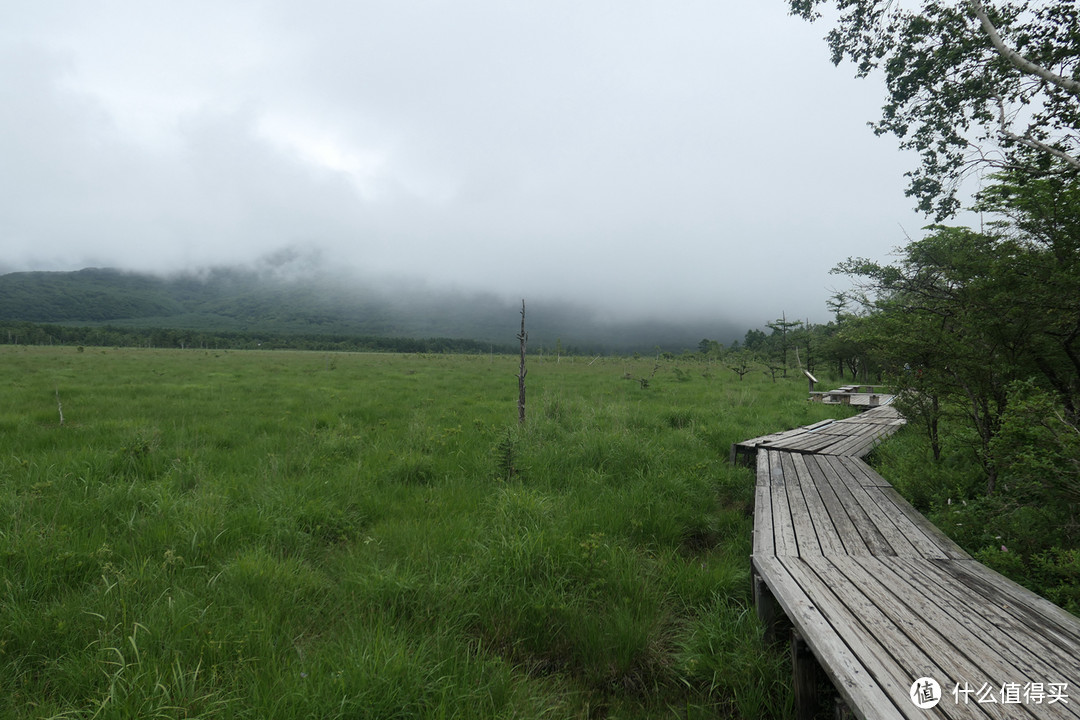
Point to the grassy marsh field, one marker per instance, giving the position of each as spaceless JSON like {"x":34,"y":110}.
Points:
{"x":309,"y":535}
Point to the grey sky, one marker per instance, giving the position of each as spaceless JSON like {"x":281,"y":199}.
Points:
{"x":666,"y":158}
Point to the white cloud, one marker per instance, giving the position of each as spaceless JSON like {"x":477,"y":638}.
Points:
{"x":648,"y":156}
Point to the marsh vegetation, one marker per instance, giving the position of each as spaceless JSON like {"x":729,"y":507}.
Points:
{"x":285,"y":534}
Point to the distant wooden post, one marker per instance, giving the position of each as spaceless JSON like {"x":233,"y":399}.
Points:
{"x":522,"y":336}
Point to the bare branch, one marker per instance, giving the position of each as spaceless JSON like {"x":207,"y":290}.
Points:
{"x":1031,"y":142}
{"x":1018,"y":60}
{"x":1036,"y":145}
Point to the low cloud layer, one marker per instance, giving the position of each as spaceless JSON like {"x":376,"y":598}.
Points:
{"x":650,"y":159}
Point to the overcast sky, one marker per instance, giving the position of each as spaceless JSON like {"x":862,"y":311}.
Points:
{"x":665,"y":157}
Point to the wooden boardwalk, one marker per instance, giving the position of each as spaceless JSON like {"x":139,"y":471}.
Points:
{"x":854,"y":437}
{"x":881,"y":598}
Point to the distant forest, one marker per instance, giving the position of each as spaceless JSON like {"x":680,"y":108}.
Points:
{"x":228,"y":307}
{"x":24,"y":333}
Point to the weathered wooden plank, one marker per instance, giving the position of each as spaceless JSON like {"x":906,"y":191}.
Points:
{"x":783,"y":527}
{"x":761,"y":467}
{"x":838,"y":470}
{"x":837,"y":446}
{"x":856,"y":440}
{"x":776,"y":471}
{"x":1008,"y":649}
{"x":748,"y":448}
{"x":806,"y":530}
{"x":763,"y":526}
{"x":808,"y":440}
{"x":875,"y":541}
{"x":899,"y":542}
{"x":802,"y":443}
{"x":827,"y":534}
{"x":849,"y":536}
{"x":837,"y":439}
{"x":882,"y":412}
{"x":1052,"y":623}
{"x":866,"y":439}
{"x":922,"y":544}
{"x":830,"y":448}
{"x":867,"y":447}
{"x":820,"y":424}
{"x":942,"y":542}
{"x":906,"y":638}
{"x":859,"y":446}
{"x":818,"y":437}
{"x":862,"y":473}
{"x":903,"y":536}
{"x":773,"y":438}
{"x":881,"y":422}
{"x":860,"y":687}
{"x":813,"y":445}
{"x":872,"y":635}
{"x":957,"y":657}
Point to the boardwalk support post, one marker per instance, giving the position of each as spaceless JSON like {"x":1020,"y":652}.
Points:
{"x":804,"y":669}
{"x":768,"y":611}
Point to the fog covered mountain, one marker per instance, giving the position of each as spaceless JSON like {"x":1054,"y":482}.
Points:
{"x":265,"y":299}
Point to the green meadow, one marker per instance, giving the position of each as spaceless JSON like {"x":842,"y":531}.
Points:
{"x":193,"y":534}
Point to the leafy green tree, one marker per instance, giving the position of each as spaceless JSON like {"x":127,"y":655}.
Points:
{"x":1038,"y":446}
{"x":710,"y":348}
{"x":1042,"y":217}
{"x":970,"y":84}
{"x":847,"y":347}
{"x":969,"y":314}
{"x":755,"y":340}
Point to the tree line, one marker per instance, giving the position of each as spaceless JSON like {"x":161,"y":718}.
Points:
{"x":25,"y":333}
{"x":786,"y":346}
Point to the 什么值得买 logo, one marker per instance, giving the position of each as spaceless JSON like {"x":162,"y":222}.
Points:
{"x":925,"y":693}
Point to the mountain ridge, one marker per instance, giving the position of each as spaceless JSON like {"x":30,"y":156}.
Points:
{"x":241,"y":300}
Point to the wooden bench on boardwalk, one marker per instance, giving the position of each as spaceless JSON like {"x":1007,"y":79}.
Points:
{"x":881,"y":598}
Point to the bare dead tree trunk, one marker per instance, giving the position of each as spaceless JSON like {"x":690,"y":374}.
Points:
{"x":522,"y":336}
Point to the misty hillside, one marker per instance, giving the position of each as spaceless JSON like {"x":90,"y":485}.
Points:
{"x":233,"y":300}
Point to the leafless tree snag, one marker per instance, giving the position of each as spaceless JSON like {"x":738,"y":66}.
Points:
{"x":522,"y":337}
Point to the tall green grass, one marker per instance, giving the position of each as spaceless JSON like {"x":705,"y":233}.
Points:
{"x":286,"y":535}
